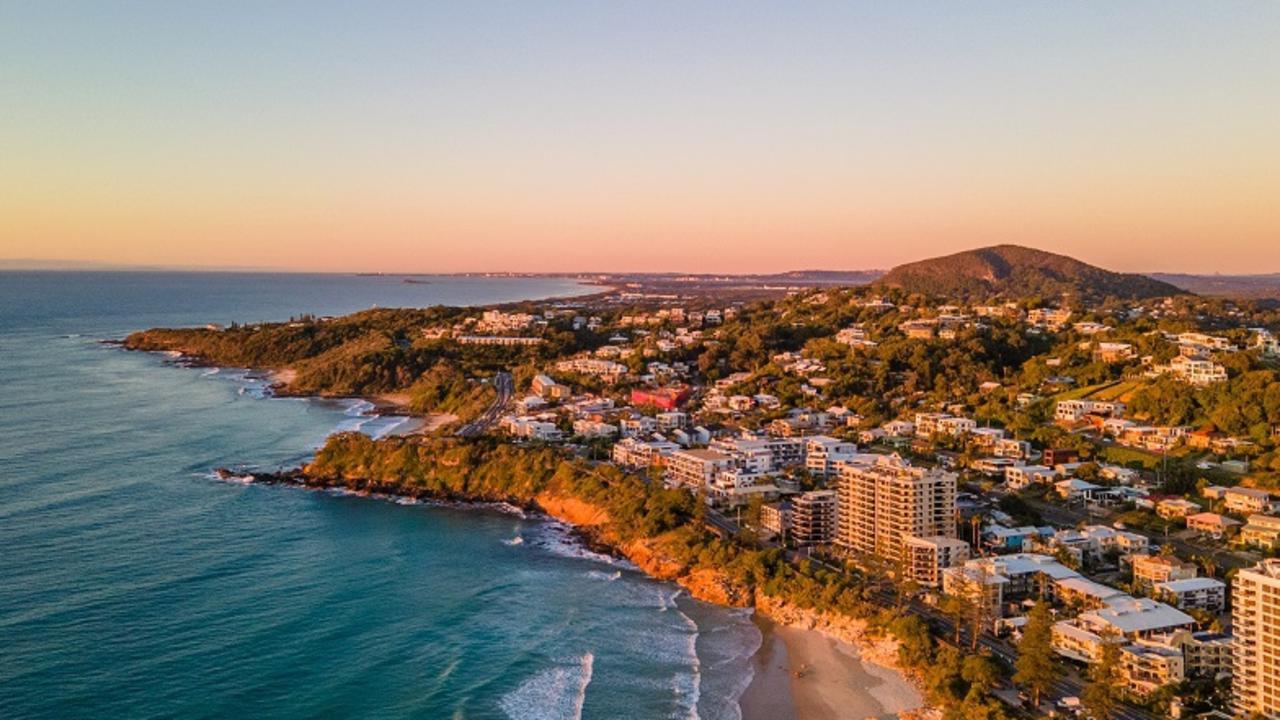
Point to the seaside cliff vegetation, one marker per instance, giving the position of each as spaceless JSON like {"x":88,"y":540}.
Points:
{"x":662,"y":531}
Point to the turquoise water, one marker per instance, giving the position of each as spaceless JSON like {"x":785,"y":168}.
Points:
{"x":133,"y":584}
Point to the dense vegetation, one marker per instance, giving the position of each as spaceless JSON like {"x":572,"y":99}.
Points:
{"x":1012,"y":271}
{"x":487,"y":470}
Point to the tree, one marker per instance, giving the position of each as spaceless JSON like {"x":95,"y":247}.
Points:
{"x":956,"y":608}
{"x":915,"y":647}
{"x":1102,"y":694}
{"x":982,"y":674}
{"x":1034,"y":668}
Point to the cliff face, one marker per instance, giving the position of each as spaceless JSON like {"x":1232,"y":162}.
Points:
{"x":706,"y":584}
{"x":880,"y":650}
{"x":572,"y":510}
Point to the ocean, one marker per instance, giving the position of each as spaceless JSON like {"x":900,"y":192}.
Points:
{"x":134,"y":584}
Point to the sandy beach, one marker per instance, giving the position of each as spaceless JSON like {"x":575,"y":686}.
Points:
{"x":805,"y":675}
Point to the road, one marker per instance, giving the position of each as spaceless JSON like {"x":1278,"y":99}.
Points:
{"x":505,"y":385}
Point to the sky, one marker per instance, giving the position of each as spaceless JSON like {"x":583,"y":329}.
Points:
{"x":643,"y":136}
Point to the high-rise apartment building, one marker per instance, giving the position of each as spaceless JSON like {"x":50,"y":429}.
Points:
{"x":881,"y":504}
{"x":1255,"y":621}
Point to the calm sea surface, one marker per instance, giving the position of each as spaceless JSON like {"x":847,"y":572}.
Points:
{"x":134,"y":585}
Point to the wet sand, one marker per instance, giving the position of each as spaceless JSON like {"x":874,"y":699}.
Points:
{"x":805,"y":675}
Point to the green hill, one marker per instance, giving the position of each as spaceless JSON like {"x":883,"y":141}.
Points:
{"x":1013,"y":271}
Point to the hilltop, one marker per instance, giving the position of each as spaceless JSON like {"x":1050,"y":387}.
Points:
{"x":1013,"y":271}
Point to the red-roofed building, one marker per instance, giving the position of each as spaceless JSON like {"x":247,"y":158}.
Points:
{"x":666,"y":398}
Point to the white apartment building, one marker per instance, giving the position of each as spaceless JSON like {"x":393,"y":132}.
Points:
{"x":1076,"y":410}
{"x":607,"y":369}
{"x":594,"y":429}
{"x":880,"y":504}
{"x":1255,"y":623}
{"x":635,"y":453}
{"x":927,"y":558}
{"x":530,"y":428}
{"x":695,"y":469}
{"x":929,"y":424}
{"x":1017,"y":477}
{"x":823,"y":454}
{"x":1199,"y":593}
{"x":1193,"y":370}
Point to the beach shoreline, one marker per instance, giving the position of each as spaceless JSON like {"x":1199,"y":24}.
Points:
{"x":805,"y":674}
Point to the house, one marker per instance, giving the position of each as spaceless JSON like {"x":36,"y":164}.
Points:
{"x":823,"y":454}
{"x":1199,"y":593}
{"x":548,"y":389}
{"x":1170,"y":508}
{"x":1084,"y":593}
{"x":1211,"y":524}
{"x":594,"y":429}
{"x":1192,"y":370}
{"x":635,"y":453}
{"x":1000,"y":537}
{"x":1071,"y":411}
{"x":531,"y":428}
{"x":1262,"y":531}
{"x":1076,"y":489}
{"x":1011,"y":448}
{"x":1020,"y":476}
{"x":899,"y":428}
{"x":1248,"y":500}
{"x":1113,"y":352}
{"x":1059,"y":456}
{"x":607,"y":369}
{"x":1117,"y":474}
{"x":1149,"y":570}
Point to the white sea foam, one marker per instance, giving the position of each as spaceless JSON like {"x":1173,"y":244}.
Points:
{"x":608,"y":577}
{"x":517,"y":540}
{"x":210,"y":372}
{"x":358,"y":407}
{"x":558,"y":540}
{"x":557,"y":693}
{"x":389,"y":427}
{"x":507,"y":508}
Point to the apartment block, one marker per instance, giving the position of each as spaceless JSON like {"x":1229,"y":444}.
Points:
{"x":881,"y":504}
{"x":1255,"y":624}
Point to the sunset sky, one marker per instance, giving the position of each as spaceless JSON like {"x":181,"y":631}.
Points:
{"x":568,"y":136}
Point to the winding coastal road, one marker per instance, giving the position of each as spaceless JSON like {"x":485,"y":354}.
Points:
{"x":505,"y":385}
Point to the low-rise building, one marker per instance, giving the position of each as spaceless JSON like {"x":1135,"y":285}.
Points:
{"x":635,"y":453}
{"x":1248,"y":501}
{"x":1200,"y":593}
{"x":694,"y":469}
{"x":1170,"y":508}
{"x":1212,"y":524}
{"x":594,"y":429}
{"x":824,"y":454}
{"x":928,"y":557}
{"x":1261,"y":531}
{"x":1150,"y":570}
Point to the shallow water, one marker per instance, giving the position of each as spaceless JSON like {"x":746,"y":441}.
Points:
{"x":134,"y":584}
